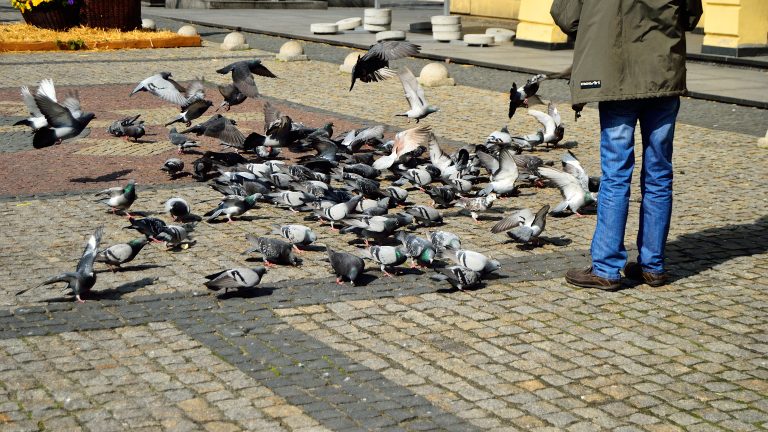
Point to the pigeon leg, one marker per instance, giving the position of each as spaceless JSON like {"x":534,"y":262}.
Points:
{"x":293,"y":209}
{"x":339,"y":281}
{"x":578,"y":215}
{"x":387,"y":274}
{"x":474,"y":217}
{"x":298,"y":251}
{"x":188,"y":123}
{"x":268,"y":264}
{"x":78,"y":299}
{"x":366,"y":242}
{"x":154,"y":240}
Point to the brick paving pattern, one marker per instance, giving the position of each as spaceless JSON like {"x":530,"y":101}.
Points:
{"x":153,"y":350}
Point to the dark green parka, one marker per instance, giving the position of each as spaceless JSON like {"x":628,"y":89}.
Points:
{"x":627,"y":49}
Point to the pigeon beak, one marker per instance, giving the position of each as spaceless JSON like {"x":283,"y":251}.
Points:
{"x":525,"y":102}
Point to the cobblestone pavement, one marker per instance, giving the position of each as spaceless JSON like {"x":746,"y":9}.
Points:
{"x":152,"y":350}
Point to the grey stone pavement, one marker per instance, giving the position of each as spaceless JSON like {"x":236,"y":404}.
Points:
{"x":705,"y":80}
{"x":153,"y":350}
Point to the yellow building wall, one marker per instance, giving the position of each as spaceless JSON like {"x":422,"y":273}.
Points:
{"x":507,"y":9}
{"x":536,"y":24}
{"x":736,"y":23}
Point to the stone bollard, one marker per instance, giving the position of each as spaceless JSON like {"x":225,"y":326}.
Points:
{"x":324,"y":28}
{"x":234,"y":41}
{"x":446,"y":28}
{"x":435,"y":75}
{"x":763,"y":142}
{"x":148,"y":24}
{"x":187,"y":30}
{"x":500,"y":34}
{"x":349,"y":62}
{"x":377,"y":20}
{"x":390,"y":35}
{"x":478,"y":39}
{"x":291,"y":51}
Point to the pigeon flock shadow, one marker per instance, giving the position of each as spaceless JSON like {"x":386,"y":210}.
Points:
{"x":113,"y":176}
{"x":115,"y":293}
{"x":246,"y":294}
{"x":133,"y":268}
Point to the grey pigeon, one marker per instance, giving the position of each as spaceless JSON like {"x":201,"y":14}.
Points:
{"x":418,"y":249}
{"x":405,"y":142}
{"x":242,"y":75}
{"x":178,"y":208}
{"x":117,"y":128}
{"x":571,"y":188}
{"x":233,"y":206}
{"x":64,"y":121}
{"x":371,"y":226}
{"x":148,"y":226}
{"x":134,"y":131}
{"x":523,"y":226}
{"x":119,"y":198}
{"x":291,"y":199}
{"x":297,"y":235}
{"x":374,"y":65}
{"x":36,"y":119}
{"x":441,"y":240}
{"x":176,"y":236}
{"x":355,"y":138}
{"x":339,"y":211}
{"x":181,"y":141}
{"x":121,"y":253}
{"x":274,"y":251}
{"x":235,"y":278}
{"x":441,"y":195}
{"x":398,"y":195}
{"x":459,"y":276}
{"x":83,"y":278}
{"x":472,"y":260}
{"x":414,"y":94}
{"x":173,"y":167}
{"x":504,"y":172}
{"x":474,"y":205}
{"x":232,"y":96}
{"x":164,"y":87}
{"x":219,"y":127}
{"x":418,"y":177}
{"x":519,"y":96}
{"x":386,"y":257}
{"x":345,"y":266}
{"x":426,"y":215}
{"x":191,"y":112}
{"x":553,"y":131}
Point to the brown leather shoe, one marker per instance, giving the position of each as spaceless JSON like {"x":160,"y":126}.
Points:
{"x":634,"y":271}
{"x":583,"y":277}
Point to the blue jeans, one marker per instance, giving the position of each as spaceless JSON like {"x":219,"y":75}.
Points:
{"x":617,"y":160}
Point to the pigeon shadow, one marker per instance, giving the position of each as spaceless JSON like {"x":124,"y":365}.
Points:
{"x":364,"y":279}
{"x":139,"y":267}
{"x":312,"y":248}
{"x":246,"y":294}
{"x":119,"y":291}
{"x":453,"y":289}
{"x":113,"y":176}
{"x":236,"y":219}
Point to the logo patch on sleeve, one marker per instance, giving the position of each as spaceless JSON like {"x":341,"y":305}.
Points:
{"x":591,"y":84}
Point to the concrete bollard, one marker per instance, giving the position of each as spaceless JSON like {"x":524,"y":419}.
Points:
{"x":291,"y":51}
{"x":234,"y":41}
{"x":349,"y":62}
{"x":187,"y":30}
{"x":435,"y":75}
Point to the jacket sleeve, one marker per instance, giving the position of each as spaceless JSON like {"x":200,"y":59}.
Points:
{"x":566,"y":14}
{"x":691,"y":13}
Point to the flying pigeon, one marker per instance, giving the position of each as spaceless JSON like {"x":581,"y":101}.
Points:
{"x":374,"y":64}
{"x":83,"y":278}
{"x":119,"y":198}
{"x":386,"y":257}
{"x":64,"y":120}
{"x":405,"y":142}
{"x":162,"y":86}
{"x":345,"y":266}
{"x":414,"y":94}
{"x":121,"y":253}
{"x":219,"y":127}
{"x":233,"y":206}
{"x":274,"y":251}
{"x":232,"y":96}
{"x":574,"y":195}
{"x":523,"y":226}
{"x":191,"y":112}
{"x":519,"y":96}
{"x":181,"y":141}
{"x":36,"y":119}
{"x":242,"y":75}
{"x":236,"y":278}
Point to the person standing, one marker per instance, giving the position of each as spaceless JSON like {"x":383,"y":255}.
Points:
{"x":629,"y":56}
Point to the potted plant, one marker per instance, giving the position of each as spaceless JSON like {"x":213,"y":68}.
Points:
{"x":50,"y":14}
{"x":124,"y":15}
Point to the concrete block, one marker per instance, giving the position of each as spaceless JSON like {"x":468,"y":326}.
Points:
{"x":324,"y":28}
{"x":501,"y":34}
{"x":390,"y":35}
{"x":446,"y":27}
{"x":445,"y":20}
{"x":349,"y":23}
{"x":377,"y":13}
{"x":384,"y":20}
{"x":478,"y":39}
{"x":446,"y":36}
{"x":376,"y":28}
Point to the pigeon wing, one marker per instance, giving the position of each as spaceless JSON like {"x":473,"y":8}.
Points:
{"x":410,"y":139}
{"x":55,"y":114}
{"x":572,"y":166}
{"x":225,"y":131}
{"x":243,"y":80}
{"x":517,"y":218}
{"x":541,"y":217}
{"x":167,"y":90}
{"x":259,"y":69}
{"x":552,"y":111}
{"x":29,"y":101}
{"x":85,"y":265}
{"x":545,"y":120}
{"x":414,"y":94}
{"x":72,"y":103}
{"x":393,"y":50}
{"x":46,"y":88}
{"x":489,"y":162}
{"x":569,"y":186}
{"x":507,"y":166}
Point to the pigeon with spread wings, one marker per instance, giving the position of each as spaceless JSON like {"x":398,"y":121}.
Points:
{"x":374,"y":64}
{"x":242,"y":75}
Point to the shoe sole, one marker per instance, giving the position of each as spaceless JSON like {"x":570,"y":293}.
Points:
{"x":615,"y":287}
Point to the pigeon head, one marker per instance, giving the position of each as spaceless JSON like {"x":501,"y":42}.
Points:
{"x":427,"y":255}
{"x":251,"y":199}
{"x":490,"y":198}
{"x":493,"y":265}
{"x":311,"y":236}
{"x":86,"y":118}
{"x":138,"y":243}
{"x":590,"y":197}
{"x":260,"y":270}
{"x":165,"y":75}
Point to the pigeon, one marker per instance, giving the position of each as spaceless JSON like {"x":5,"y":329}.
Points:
{"x":119,"y":198}
{"x":148,"y":226}
{"x":572,"y":166}
{"x":441,"y":195}
{"x":291,"y":199}
{"x":414,"y":94}
{"x":504,"y":172}
{"x":386,"y":256}
{"x":426,"y":215}
{"x":235,"y":278}
{"x":191,"y":112}
{"x":242,"y":75}
{"x":374,"y":65}
{"x":345,"y":266}
{"x":121,"y":253}
{"x":219,"y":127}
{"x":176,"y":236}
{"x":117,"y":128}
{"x":405,"y":142}
{"x":233,"y":206}
{"x":232,"y":96}
{"x":472,"y":260}
{"x":574,"y":195}
{"x":277,"y":130}
{"x":418,"y":177}
{"x":418,"y":249}
{"x":339,"y":211}
{"x":523,"y":226}
{"x":297,"y":235}
{"x":83,"y":278}
{"x":162,"y":86}
{"x":371,"y":226}
{"x":459,"y":277}
{"x":397,"y":195}
{"x":274,"y":251}
{"x":36,"y":119}
{"x":501,"y":136}
{"x":135,"y":131}
{"x":474,"y":205}
{"x":66,"y":120}
{"x":553,"y":130}
{"x":519,"y":96}
{"x":181,"y":141}
{"x":173,"y":167}
{"x":177,"y":208}
{"x":355,"y":138}
{"x":441,"y":240}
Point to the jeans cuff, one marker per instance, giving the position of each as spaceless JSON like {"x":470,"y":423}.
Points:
{"x":612,"y":278}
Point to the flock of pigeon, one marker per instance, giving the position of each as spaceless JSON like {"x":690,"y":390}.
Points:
{"x":333,"y":179}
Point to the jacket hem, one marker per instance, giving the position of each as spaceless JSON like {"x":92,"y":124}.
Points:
{"x":609,"y":98}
